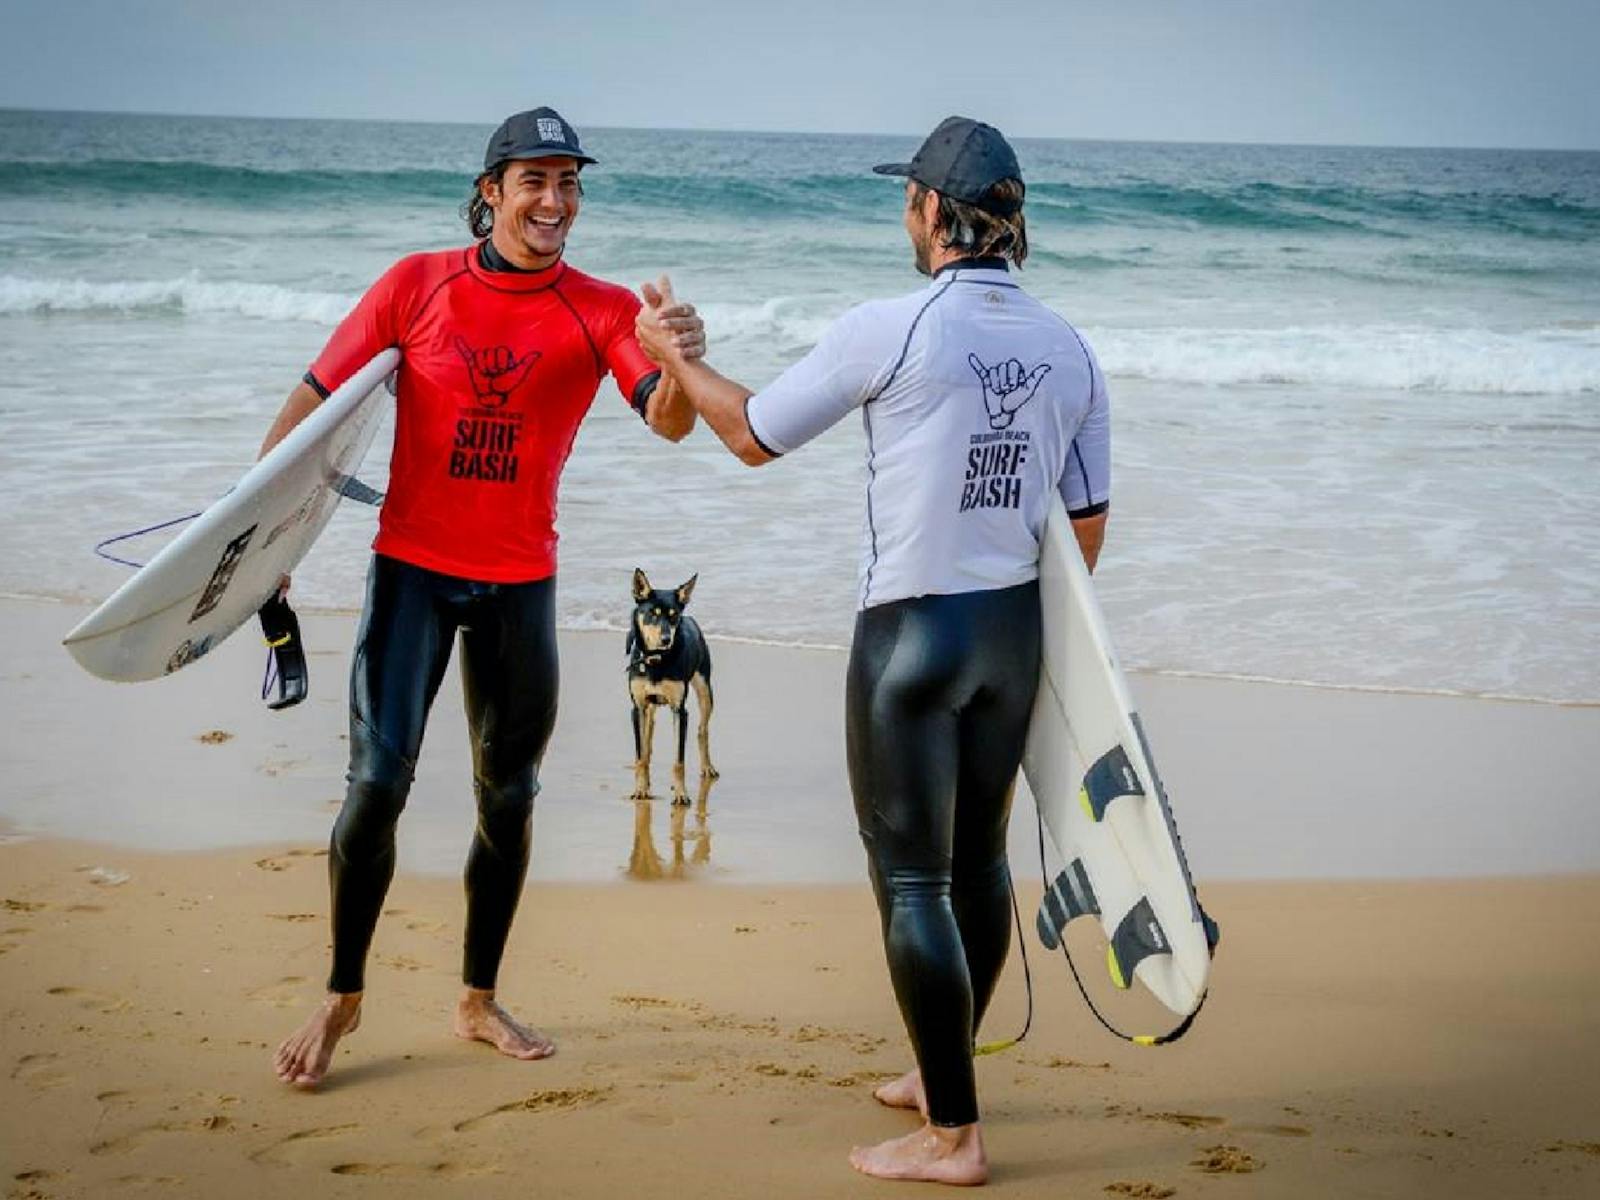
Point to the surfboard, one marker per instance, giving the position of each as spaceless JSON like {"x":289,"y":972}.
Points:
{"x":1104,"y":810}
{"x":219,"y":571}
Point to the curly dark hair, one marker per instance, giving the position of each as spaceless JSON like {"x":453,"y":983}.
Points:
{"x":978,"y":233}
{"x":475,"y":209}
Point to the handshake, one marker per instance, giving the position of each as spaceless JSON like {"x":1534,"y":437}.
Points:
{"x":669,"y":329}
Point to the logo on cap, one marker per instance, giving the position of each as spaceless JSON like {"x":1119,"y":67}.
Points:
{"x":550,"y":130}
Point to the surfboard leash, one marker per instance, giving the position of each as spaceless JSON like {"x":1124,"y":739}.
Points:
{"x":100,"y":547}
{"x":1163,"y":1039}
{"x":1027,"y":979}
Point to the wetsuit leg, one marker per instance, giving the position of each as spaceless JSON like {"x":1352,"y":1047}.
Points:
{"x":510,"y":677}
{"x":993,"y":731}
{"x":934,"y":692}
{"x":401,"y":652}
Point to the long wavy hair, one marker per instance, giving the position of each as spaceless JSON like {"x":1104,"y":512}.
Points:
{"x":977,"y":233}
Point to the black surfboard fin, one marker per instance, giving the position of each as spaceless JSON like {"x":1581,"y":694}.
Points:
{"x":1138,"y":936}
{"x":288,"y":665}
{"x":1112,"y":775}
{"x":1069,"y":897}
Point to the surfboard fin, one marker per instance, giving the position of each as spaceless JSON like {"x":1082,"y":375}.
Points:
{"x":1138,"y":936}
{"x":1070,"y":896}
{"x":352,"y":488}
{"x":1111,"y":776}
{"x":281,"y":628}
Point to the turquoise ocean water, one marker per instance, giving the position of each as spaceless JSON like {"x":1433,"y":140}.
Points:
{"x":1356,"y":392}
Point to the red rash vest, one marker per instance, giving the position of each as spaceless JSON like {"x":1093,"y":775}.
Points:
{"x":497,"y":369}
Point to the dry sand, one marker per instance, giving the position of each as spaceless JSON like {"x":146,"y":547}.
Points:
{"x":1364,"y":1038}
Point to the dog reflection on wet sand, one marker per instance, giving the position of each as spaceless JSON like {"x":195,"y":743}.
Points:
{"x":644,"y":861}
{"x":667,"y":659}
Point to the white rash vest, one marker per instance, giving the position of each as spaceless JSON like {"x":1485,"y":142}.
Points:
{"x":978,"y":401}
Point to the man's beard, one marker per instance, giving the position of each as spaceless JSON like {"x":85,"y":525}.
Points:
{"x":922,"y":251}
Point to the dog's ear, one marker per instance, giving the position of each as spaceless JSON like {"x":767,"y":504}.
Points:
{"x":686,"y":590}
{"x":641,"y":585}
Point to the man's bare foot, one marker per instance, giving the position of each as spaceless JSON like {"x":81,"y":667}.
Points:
{"x":905,"y":1092}
{"x":304,"y":1056}
{"x":479,"y":1018}
{"x":932,"y":1154}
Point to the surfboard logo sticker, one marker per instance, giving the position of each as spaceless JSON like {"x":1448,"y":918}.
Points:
{"x":222,"y":575}
{"x":191,"y":649}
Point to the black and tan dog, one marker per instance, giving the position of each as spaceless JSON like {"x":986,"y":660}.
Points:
{"x":667,"y":657}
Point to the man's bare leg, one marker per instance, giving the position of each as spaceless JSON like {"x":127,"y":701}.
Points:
{"x":480,"y":1018}
{"x":905,"y":1092}
{"x":933,"y":1154}
{"x":303,"y":1058}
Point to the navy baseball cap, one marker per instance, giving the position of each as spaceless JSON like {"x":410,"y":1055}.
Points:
{"x":963,"y":159}
{"x":537,"y":133}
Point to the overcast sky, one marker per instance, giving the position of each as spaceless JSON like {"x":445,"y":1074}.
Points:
{"x":1404,"y":72}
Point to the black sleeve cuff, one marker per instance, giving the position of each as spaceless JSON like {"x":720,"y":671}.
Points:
{"x":756,"y":437}
{"x":642,"y":391}
{"x":315,"y":384}
{"x":1094,"y":510}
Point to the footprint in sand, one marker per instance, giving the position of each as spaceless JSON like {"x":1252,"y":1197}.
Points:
{"x":39,"y":1071}
{"x":550,"y":1100}
{"x":1227,"y":1160}
{"x":400,"y":962}
{"x":1187,"y":1120}
{"x":214,"y":737}
{"x":23,"y":906}
{"x":124,"y":1142}
{"x":1288,"y":1131}
{"x":286,"y":993}
{"x":294,"y":918}
{"x":159,"y":1183}
{"x":11,"y":939}
{"x":1141,"y":1189}
{"x":291,"y":858}
{"x":94,"y":1001}
{"x":438,"y":1170}
{"x":293,"y":1149}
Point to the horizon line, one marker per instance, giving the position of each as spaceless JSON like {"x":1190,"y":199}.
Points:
{"x":1141,"y":141}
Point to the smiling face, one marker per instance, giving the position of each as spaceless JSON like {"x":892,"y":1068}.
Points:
{"x":535,"y":204}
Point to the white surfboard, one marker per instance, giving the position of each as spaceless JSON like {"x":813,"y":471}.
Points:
{"x":218,"y":572}
{"x":1104,"y":810}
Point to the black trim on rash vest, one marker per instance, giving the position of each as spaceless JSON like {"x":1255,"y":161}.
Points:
{"x":642,"y":391}
{"x":754,"y":436}
{"x":990,"y":263}
{"x":866,"y":418}
{"x":315,"y":384}
{"x":1094,"y":510}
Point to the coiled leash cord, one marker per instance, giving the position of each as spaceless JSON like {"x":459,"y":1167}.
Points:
{"x":286,"y":659}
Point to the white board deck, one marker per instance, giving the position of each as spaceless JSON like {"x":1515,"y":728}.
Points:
{"x":1104,"y":811}
{"x":218,"y":572}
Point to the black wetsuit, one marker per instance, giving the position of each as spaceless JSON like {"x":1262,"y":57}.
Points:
{"x":938,"y":696}
{"x":509,"y":676}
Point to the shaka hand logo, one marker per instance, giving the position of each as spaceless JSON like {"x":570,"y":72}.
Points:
{"x":1007,"y":386}
{"x":496,"y":371}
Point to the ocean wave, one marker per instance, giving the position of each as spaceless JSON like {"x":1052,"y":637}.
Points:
{"x":754,"y":193}
{"x":211,"y":181}
{"x":1401,"y":358}
{"x":188,"y":295}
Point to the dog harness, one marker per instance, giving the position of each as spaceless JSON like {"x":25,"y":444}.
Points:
{"x":977,"y":401}
{"x":497,"y":370}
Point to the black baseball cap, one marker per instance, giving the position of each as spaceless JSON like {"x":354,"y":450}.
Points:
{"x":963,"y":159}
{"x":537,"y":133}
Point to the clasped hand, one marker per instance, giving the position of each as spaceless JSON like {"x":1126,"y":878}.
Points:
{"x":669,"y":329}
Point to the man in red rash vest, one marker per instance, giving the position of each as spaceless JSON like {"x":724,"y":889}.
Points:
{"x":503,"y":347}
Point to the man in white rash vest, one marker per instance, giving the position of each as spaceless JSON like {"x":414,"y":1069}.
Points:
{"x":979,"y":405}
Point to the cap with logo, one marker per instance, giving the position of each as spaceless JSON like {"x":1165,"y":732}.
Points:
{"x":963,"y":159}
{"x":537,"y":133}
